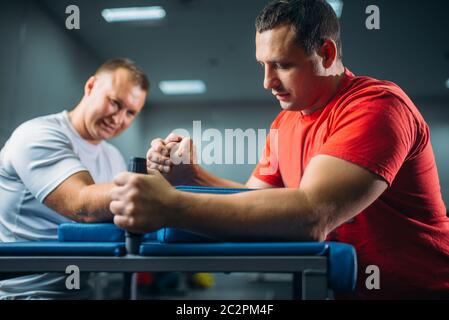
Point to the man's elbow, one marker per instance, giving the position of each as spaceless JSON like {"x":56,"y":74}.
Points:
{"x":319,"y":236}
{"x":74,"y":212}
{"x":313,"y":232}
{"x":77,"y":210}
{"x":313,"y":228}
{"x":316,"y":234}
{"x":310,"y":227}
{"x":84,"y":216}
{"x":83,"y":211}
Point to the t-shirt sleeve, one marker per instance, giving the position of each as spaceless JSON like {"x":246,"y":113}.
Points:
{"x":267,"y":169}
{"x":42,"y":157}
{"x":377,"y":132}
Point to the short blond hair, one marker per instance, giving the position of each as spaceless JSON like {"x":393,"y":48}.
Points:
{"x":137,"y":74}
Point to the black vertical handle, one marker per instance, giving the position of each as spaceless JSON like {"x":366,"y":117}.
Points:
{"x":133,"y":240}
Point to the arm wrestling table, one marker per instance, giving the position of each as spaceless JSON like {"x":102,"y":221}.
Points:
{"x":316,"y":267}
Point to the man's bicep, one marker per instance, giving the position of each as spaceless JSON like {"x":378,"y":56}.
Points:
{"x":339,"y":189}
{"x":42,"y":158}
{"x":378,"y":132}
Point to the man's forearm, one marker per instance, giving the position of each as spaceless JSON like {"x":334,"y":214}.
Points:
{"x":80,"y":199}
{"x":93,"y":203}
{"x":275,"y":214}
{"x":204,"y":178}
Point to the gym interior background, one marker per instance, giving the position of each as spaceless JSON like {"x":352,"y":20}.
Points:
{"x":44,"y":66}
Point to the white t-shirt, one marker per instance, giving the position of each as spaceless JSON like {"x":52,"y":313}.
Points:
{"x":39,"y":155}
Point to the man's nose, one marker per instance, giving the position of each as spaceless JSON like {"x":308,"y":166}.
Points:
{"x":270,"y":80}
{"x":119,"y":116}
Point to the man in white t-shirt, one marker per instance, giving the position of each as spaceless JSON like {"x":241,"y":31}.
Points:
{"x":58,"y":168}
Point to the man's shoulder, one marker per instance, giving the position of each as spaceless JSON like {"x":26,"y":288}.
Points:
{"x":364,"y":86}
{"x":37,"y":135}
{"x":370,"y":99}
{"x":34,"y":140}
{"x":367,"y":92}
{"x":48,"y":121}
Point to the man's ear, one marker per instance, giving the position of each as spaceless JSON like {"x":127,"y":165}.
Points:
{"x":89,"y":85}
{"x":328,"y":53}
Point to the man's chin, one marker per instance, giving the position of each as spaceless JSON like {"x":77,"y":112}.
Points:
{"x":289,"y":106}
{"x":104,"y":135}
{"x":109,"y":136}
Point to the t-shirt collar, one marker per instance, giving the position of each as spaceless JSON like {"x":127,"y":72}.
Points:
{"x":93,"y":148}
{"x":348,"y":75}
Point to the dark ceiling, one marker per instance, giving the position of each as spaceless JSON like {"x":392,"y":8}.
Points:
{"x":213,"y":40}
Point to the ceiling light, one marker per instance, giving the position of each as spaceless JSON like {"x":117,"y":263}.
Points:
{"x":133,"y":14}
{"x":337,"y":5}
{"x":182,"y":87}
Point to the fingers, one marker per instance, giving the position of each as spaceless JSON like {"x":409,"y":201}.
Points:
{"x":137,"y":203}
{"x":123,"y":203}
{"x":162,"y":146}
{"x":164,"y":169}
{"x":124,"y":182}
{"x":171,"y":145}
{"x":118,"y":193}
{"x":117,"y":207}
{"x":174,"y":150}
{"x":160,"y":167}
{"x":173,"y":138}
{"x":185,"y":146}
{"x":121,"y":219}
{"x":187,"y":151}
{"x":157,"y":144}
{"x":157,"y":147}
{"x":121,"y":222}
{"x":127,"y":223}
{"x":156,"y":156}
{"x":122,"y":178}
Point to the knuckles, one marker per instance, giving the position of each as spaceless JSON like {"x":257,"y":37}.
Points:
{"x":133,"y":181}
{"x":130,"y":209}
{"x":133,"y":195}
{"x":131,"y":222}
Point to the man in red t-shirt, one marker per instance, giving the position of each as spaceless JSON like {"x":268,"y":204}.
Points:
{"x":348,"y":159}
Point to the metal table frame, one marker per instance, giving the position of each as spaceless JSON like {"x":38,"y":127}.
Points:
{"x":309,"y":272}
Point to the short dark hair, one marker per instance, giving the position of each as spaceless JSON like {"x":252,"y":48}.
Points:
{"x":314,"y":21}
{"x":137,"y":74}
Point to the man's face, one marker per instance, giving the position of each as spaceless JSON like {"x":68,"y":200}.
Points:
{"x":292,"y":76}
{"x":113,"y":103}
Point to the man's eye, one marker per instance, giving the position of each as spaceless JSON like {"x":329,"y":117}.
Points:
{"x":114,"y":103}
{"x":131,"y":113}
{"x":280,"y":66}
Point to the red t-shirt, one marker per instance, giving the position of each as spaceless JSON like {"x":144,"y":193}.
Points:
{"x":405,"y":232}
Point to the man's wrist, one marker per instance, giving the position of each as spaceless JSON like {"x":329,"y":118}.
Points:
{"x":200,"y":177}
{"x":182,"y":202}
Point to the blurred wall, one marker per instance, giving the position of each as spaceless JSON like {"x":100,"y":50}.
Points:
{"x":42,"y":68}
{"x":435,"y":111}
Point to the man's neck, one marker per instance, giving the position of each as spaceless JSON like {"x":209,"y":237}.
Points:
{"x":76,"y":119}
{"x":337,"y":78}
